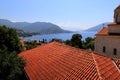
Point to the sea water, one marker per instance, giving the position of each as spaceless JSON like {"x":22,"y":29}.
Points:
{"x":62,"y":36}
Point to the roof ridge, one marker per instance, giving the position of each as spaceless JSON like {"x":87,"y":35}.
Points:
{"x":38,"y":46}
{"x":103,"y":31}
{"x":98,"y":72}
{"x":58,"y":43}
{"x":116,"y":66}
{"x":117,"y":63}
{"x":63,"y":44}
{"x":60,"y":61}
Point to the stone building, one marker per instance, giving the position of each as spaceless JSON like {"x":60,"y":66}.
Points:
{"x":107,"y":40}
{"x":117,"y":15}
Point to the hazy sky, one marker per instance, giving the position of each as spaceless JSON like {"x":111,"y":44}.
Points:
{"x":69,"y":14}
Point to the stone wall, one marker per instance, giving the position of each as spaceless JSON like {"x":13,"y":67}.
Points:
{"x":117,"y":15}
{"x":110,"y":42}
{"x":114,"y":29}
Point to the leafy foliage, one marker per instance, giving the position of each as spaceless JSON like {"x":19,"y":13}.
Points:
{"x":75,"y":41}
{"x":57,"y":40}
{"x":9,"y":39}
{"x":78,"y":43}
{"x":30,"y":45}
{"x":11,"y":66}
{"x":68,"y":42}
{"x":88,"y":43}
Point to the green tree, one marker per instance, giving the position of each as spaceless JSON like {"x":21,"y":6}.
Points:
{"x":30,"y":45}
{"x":68,"y":42}
{"x":9,"y":39}
{"x":57,"y":40}
{"x":76,"y":40}
{"x":88,"y":43}
{"x":11,"y":66}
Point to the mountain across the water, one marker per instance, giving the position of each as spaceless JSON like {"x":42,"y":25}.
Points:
{"x":98,"y":27}
{"x":36,"y":27}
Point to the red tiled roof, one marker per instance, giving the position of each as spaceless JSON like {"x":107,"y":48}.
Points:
{"x":117,"y":61}
{"x":103,"y":31}
{"x":59,"y":61}
{"x":112,"y":24}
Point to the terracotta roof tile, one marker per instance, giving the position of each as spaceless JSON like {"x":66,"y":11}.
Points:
{"x":59,"y":61}
{"x":112,"y":24}
{"x":117,"y":61}
{"x":103,"y":31}
{"x":106,"y":67}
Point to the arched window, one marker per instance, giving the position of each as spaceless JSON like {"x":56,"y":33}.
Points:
{"x":115,"y":51}
{"x":104,"y":49}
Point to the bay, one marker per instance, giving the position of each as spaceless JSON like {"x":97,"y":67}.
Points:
{"x":63,"y":36}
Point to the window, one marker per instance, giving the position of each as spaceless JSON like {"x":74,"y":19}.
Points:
{"x":115,"y":51}
{"x":104,"y":49}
